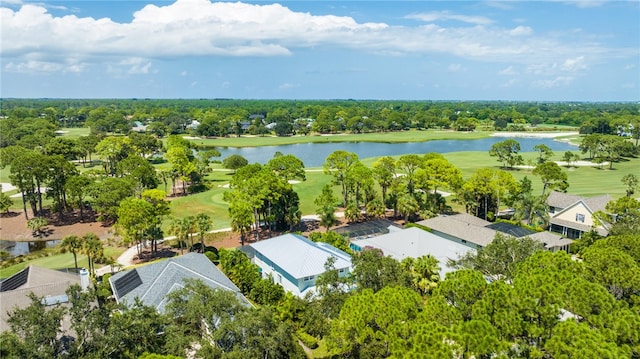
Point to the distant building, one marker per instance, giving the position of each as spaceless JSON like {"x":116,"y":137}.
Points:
{"x":295,"y":262}
{"x":414,"y":242}
{"x":152,"y":282}
{"x":572,"y":215}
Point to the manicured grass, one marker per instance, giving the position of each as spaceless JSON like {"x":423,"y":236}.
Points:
{"x":58,"y":261}
{"x":75,"y":132}
{"x":388,"y":137}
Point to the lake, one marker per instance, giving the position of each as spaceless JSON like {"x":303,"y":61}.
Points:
{"x":314,"y":154}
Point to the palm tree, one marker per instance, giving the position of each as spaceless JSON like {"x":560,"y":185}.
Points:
{"x":72,"y":244}
{"x":203,"y":225}
{"x":531,"y":208}
{"x":424,"y":272}
{"x":36,"y":225}
{"x":92,"y":247}
{"x":407,"y":206}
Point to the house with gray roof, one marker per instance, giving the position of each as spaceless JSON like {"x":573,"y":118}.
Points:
{"x":476,"y":232}
{"x":572,"y":215}
{"x":49,"y":284}
{"x":295,"y":262}
{"x":152,"y":282}
{"x":415,"y":242}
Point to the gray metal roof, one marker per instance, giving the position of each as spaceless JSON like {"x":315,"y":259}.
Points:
{"x":158,"y":279}
{"x":415,"y":242}
{"x":299,"y":256}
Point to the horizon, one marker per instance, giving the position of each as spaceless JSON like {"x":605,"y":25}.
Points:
{"x":530,"y":51}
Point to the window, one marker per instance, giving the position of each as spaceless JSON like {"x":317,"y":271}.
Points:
{"x":580,"y":217}
{"x":307,"y":278}
{"x":341,"y":270}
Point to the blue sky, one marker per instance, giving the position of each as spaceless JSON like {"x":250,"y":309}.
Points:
{"x":585,"y":50}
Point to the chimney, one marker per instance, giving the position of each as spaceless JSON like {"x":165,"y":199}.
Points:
{"x":84,"y":279}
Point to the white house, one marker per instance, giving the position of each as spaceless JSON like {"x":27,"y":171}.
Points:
{"x":415,"y":242}
{"x":572,"y":215}
{"x":295,"y":262}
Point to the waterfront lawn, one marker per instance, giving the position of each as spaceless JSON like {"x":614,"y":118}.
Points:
{"x":385,"y":137}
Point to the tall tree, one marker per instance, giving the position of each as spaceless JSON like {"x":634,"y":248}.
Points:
{"x":72,"y":244}
{"x":552,"y":176}
{"x":507,"y":152}
{"x":384,"y":171}
{"x":326,"y":208}
{"x":339,"y":164}
{"x":544,"y":152}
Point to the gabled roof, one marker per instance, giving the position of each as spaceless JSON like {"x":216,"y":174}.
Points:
{"x":462,"y":226}
{"x":43,"y":282}
{"x":151,"y":283}
{"x":415,"y":242}
{"x":550,"y":240}
{"x":598,"y":203}
{"x":299,"y":256}
{"x":561,"y":200}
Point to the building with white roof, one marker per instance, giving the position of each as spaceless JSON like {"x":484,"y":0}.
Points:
{"x":415,"y":242}
{"x":295,"y":262}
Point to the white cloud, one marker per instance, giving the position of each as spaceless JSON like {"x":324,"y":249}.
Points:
{"x":509,"y":71}
{"x":574,"y":64}
{"x":184,"y":73}
{"x":586,"y":3}
{"x":204,"y":28}
{"x":509,"y":83}
{"x":556,"y":82}
{"x":287,"y":86}
{"x":456,"y":68}
{"x":521,"y":31}
{"x":446,"y":15}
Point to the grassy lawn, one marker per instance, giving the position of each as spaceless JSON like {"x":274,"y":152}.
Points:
{"x":58,"y":261}
{"x":387,"y":137}
{"x":74,"y":132}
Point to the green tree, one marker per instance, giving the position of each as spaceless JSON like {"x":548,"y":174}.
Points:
{"x":424,"y":272}
{"x":372,"y":270}
{"x":384,"y":171}
{"x":36,"y":225}
{"x":77,"y":188}
{"x":72,"y":244}
{"x":288,"y":167}
{"x":38,"y":328}
{"x":410,"y":164}
{"x":5,"y":201}
{"x":135,"y":217}
{"x":203,"y":225}
{"x":338,"y":164}
{"x":462,"y":289}
{"x":234,"y":162}
{"x":507,"y":153}
{"x":570,"y":157}
{"x":552,"y":176}
{"x":544,"y":152}
{"x":92,"y":248}
{"x":325,"y":207}
{"x":500,"y":258}
{"x":631,"y":181}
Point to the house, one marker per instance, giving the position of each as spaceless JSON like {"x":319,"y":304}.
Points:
{"x":415,"y":242}
{"x":572,"y":215}
{"x":151,"y":283}
{"x":477,"y":233}
{"x":49,"y":284}
{"x":295,"y":262}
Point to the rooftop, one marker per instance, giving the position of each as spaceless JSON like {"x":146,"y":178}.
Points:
{"x":299,"y":256}
{"x":152,"y":282}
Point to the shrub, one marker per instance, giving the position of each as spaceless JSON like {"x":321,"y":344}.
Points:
{"x":309,"y":341}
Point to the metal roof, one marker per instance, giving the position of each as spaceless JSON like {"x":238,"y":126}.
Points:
{"x":299,"y":256}
{"x":415,"y":242}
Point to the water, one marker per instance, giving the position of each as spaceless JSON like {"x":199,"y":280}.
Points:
{"x":314,"y":154}
{"x":21,"y":248}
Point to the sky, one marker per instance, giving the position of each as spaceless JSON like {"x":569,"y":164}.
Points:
{"x":580,"y":50}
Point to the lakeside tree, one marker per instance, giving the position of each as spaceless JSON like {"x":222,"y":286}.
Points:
{"x":72,"y":244}
{"x":544,"y":152}
{"x":339,"y":164}
{"x":326,"y":208}
{"x":234,"y":162}
{"x":507,"y":152}
{"x":384,"y":171}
